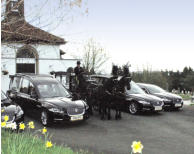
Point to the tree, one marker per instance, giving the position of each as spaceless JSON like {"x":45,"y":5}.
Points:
{"x":45,"y":14}
{"x":94,"y":56}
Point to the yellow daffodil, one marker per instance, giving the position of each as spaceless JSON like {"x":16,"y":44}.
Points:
{"x":2,"y":110}
{"x":137,"y":147}
{"x":31,"y":125}
{"x":49,"y":144}
{"x":22,"y":126}
{"x":44,"y":130}
{"x":3,"y":124}
{"x":6,"y":118}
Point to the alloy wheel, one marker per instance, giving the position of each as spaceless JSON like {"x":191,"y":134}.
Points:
{"x":133,"y":108}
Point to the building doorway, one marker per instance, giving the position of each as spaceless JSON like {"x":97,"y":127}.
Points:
{"x":27,"y":60}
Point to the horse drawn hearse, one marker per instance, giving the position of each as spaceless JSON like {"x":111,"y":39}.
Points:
{"x":110,"y":92}
{"x":104,"y":96}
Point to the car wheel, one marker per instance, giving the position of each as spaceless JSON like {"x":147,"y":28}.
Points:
{"x":133,"y":108}
{"x":44,"y":118}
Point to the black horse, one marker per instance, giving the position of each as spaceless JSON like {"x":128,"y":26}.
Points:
{"x":105,"y":96}
{"x":112,"y":97}
{"x":119,"y":94}
{"x":84,"y":90}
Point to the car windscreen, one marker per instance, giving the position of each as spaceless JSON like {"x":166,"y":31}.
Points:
{"x":135,"y":89}
{"x":154,"y":89}
{"x":52,"y":89}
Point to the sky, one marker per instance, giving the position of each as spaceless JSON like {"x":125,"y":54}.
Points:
{"x":158,"y":34}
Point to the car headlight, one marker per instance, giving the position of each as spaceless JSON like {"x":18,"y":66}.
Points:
{"x":56,"y":110}
{"x":144,"y":102}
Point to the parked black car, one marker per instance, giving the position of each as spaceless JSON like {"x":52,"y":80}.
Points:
{"x":12,"y":110}
{"x":171,"y":101}
{"x":46,"y":98}
{"x":135,"y":99}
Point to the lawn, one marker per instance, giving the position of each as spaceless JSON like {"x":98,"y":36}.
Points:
{"x":27,"y":143}
{"x":185,"y":96}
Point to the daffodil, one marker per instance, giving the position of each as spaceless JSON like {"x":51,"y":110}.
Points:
{"x":6,"y":118}
{"x":137,"y":147}
{"x":49,"y":144}
{"x":13,"y":126}
{"x":44,"y":130}
{"x":3,"y":124}
{"x":2,"y":110}
{"x":22,"y":126}
{"x":31,"y":125}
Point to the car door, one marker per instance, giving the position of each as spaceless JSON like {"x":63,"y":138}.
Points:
{"x":33,"y":101}
{"x":22,"y":95}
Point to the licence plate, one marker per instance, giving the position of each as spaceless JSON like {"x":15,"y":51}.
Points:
{"x":158,"y":108}
{"x":177,"y":105}
{"x":75,"y":118}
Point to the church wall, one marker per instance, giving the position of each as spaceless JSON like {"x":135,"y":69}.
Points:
{"x":49,"y":60}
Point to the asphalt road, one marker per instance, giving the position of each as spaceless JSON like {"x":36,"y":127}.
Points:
{"x":160,"y":133}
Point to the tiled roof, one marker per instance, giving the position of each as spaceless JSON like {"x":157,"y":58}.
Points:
{"x":23,"y":32}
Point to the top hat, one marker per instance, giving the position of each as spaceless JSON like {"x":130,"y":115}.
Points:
{"x":78,"y":63}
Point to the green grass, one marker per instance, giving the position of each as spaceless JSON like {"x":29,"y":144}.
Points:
{"x":28,"y":143}
{"x":185,"y":96}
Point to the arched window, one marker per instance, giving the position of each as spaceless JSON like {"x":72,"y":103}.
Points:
{"x":25,"y":53}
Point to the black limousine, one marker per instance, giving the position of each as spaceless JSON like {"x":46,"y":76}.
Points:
{"x":45,"y":98}
{"x":171,"y":101}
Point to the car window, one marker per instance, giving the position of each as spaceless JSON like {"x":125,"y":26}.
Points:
{"x":15,"y":83}
{"x":31,"y":89}
{"x":144,"y":89}
{"x":135,"y":89}
{"x":155,"y":89}
{"x":51,"y":90}
{"x":25,"y":86}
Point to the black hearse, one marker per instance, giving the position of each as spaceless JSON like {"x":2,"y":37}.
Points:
{"x":47,"y":98}
{"x":135,"y":99}
{"x":12,"y":110}
{"x":171,"y":101}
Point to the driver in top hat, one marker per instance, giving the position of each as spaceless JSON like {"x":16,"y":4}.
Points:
{"x":78,"y":69}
